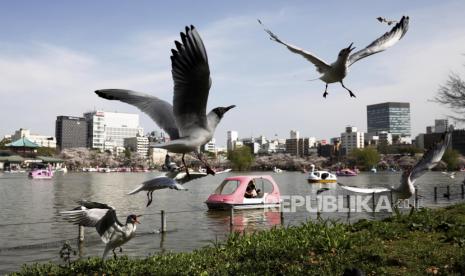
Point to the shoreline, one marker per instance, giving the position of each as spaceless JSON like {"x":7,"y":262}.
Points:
{"x":427,"y":241}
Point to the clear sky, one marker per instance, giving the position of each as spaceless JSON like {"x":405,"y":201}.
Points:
{"x":54,"y":54}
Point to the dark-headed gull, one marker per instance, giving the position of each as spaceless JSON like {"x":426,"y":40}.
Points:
{"x":406,"y":189}
{"x":103,"y":217}
{"x":171,"y":180}
{"x":337,"y":71}
{"x":186,"y":121}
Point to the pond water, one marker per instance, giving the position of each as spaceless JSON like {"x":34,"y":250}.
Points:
{"x":31,"y":229}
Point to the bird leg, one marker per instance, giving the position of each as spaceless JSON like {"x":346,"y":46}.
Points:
{"x":120,"y":249}
{"x":114,"y":253}
{"x":209,"y":169}
{"x":326,"y":91}
{"x":149,"y":197}
{"x":351,"y":94}
{"x":185,"y":166}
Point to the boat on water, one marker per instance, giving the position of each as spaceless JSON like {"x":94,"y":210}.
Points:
{"x":245,"y":192}
{"x":41,"y":174}
{"x":346,"y":172}
{"x":320,"y":176}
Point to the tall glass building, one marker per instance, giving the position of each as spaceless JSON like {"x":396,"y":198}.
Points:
{"x":391,"y":117}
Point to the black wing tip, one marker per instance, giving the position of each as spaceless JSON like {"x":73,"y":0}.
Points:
{"x":101,"y":93}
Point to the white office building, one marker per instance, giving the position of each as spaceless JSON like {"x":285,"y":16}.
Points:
{"x":352,"y":139}
{"x":210,"y":146}
{"x":109,"y":129}
{"x":41,"y":140}
{"x":295,"y":134}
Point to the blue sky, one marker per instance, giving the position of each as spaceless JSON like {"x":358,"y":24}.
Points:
{"x":54,"y":54}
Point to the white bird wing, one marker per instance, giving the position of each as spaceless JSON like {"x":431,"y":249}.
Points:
{"x":98,"y":215}
{"x":160,"y":111}
{"x":432,"y":156}
{"x":321,"y":65}
{"x":363,"y":190}
{"x":382,"y":43}
{"x":191,"y":76}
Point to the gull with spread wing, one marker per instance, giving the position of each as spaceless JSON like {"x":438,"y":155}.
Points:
{"x":103,"y":217}
{"x":186,"y":121}
{"x":406,"y":189}
{"x":337,"y":71}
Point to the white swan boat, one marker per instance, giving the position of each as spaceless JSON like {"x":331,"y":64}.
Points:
{"x":320,"y":176}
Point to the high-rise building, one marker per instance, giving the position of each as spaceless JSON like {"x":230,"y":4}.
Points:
{"x":232,"y":137}
{"x":352,"y":139}
{"x":391,"y":117}
{"x":298,"y":147}
{"x":107,"y":130}
{"x":71,"y":132}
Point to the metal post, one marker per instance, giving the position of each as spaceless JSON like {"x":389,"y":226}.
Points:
{"x":392,"y":199}
{"x":231,"y":216}
{"x":435,"y":193}
{"x":374,"y":202}
{"x":281,"y":213}
{"x":81,"y":234}
{"x":348,"y":202}
{"x":163,"y":221}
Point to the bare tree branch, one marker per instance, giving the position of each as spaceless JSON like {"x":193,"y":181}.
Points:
{"x":452,"y":95}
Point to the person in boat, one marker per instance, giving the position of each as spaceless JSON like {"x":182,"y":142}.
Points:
{"x":251,"y":192}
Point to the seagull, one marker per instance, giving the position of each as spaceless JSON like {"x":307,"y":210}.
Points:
{"x":406,"y":189}
{"x":337,"y":71}
{"x":103,"y":217}
{"x":171,"y":180}
{"x":186,"y":121}
{"x":157,"y":183}
{"x":451,"y":175}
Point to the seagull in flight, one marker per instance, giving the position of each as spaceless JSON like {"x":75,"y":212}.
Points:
{"x":186,"y":121}
{"x":103,"y":217}
{"x":171,"y":180}
{"x":157,"y":183}
{"x":406,"y":189}
{"x":337,"y":71}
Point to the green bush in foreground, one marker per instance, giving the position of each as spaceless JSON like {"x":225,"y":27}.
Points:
{"x":427,"y":241}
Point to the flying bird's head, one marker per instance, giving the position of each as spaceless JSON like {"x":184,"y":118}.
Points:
{"x":219,"y":111}
{"x":133,"y":219}
{"x":344,"y":53}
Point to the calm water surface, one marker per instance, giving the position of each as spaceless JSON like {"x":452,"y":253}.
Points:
{"x":190,"y":225}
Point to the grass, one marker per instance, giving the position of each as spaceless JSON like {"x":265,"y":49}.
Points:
{"x":421,"y":243}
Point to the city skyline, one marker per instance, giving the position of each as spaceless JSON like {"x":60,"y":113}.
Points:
{"x":52,"y":69}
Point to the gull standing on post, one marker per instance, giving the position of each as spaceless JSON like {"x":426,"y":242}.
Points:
{"x":186,"y":121}
{"x":406,"y":189}
{"x":337,"y":71}
{"x":103,"y":217}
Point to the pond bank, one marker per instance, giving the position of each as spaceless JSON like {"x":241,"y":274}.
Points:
{"x":419,"y":243}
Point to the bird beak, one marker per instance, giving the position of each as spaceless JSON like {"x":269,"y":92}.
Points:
{"x":136,"y":221}
{"x":229,"y":107}
{"x":350,"y":49}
